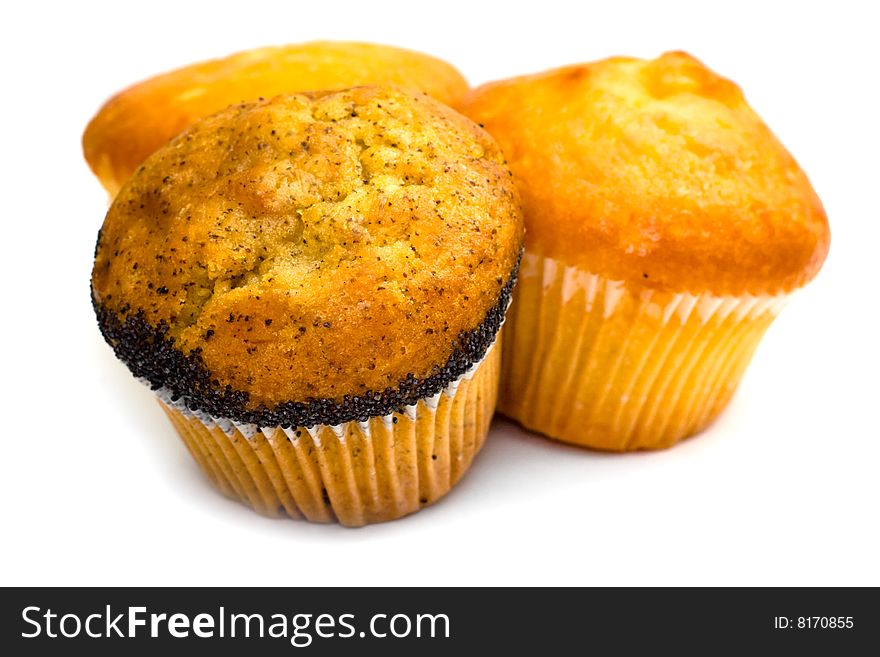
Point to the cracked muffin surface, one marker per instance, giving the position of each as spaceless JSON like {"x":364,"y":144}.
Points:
{"x":309,"y":247}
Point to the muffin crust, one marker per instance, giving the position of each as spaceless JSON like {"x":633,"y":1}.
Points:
{"x":655,"y":173}
{"x":137,"y":121}
{"x":325,"y":255}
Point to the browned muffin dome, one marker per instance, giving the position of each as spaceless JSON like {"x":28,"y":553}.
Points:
{"x":312,"y":258}
{"x":655,"y":172}
{"x":140,"y":119}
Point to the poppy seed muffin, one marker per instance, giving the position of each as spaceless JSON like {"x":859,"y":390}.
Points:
{"x":313,"y":285}
{"x":140,"y":119}
{"x":666,"y":225}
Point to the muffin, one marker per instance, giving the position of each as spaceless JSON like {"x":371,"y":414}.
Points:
{"x":313,"y":285}
{"x":665,"y":228}
{"x":137,"y":121}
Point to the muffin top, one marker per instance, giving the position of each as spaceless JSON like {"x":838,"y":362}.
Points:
{"x":137,"y":121}
{"x":655,"y":173}
{"x":313,"y":258}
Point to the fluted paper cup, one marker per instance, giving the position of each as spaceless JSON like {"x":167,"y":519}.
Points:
{"x":355,"y":473}
{"x":593,"y":362}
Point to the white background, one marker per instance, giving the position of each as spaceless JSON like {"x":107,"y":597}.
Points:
{"x":783,"y":489}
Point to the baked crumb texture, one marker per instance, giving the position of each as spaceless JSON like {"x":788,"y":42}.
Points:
{"x":312,"y":258}
{"x":139,"y":120}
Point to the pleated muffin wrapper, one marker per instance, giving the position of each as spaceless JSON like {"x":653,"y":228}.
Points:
{"x":356,"y":472}
{"x":590,"y":361}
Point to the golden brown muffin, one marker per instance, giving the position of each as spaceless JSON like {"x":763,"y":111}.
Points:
{"x":665,"y":225}
{"x":137,"y":121}
{"x":319,"y":260}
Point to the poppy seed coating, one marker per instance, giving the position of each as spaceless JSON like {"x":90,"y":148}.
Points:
{"x":150,"y":353}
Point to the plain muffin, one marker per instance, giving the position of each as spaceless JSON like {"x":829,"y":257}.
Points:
{"x":666,"y":225}
{"x":140,"y":119}
{"x":313,"y":285}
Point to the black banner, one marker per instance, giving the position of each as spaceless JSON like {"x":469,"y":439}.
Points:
{"x":279,"y":621}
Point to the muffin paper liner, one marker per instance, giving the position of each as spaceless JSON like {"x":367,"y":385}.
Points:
{"x":356,"y":472}
{"x":590,"y":361}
